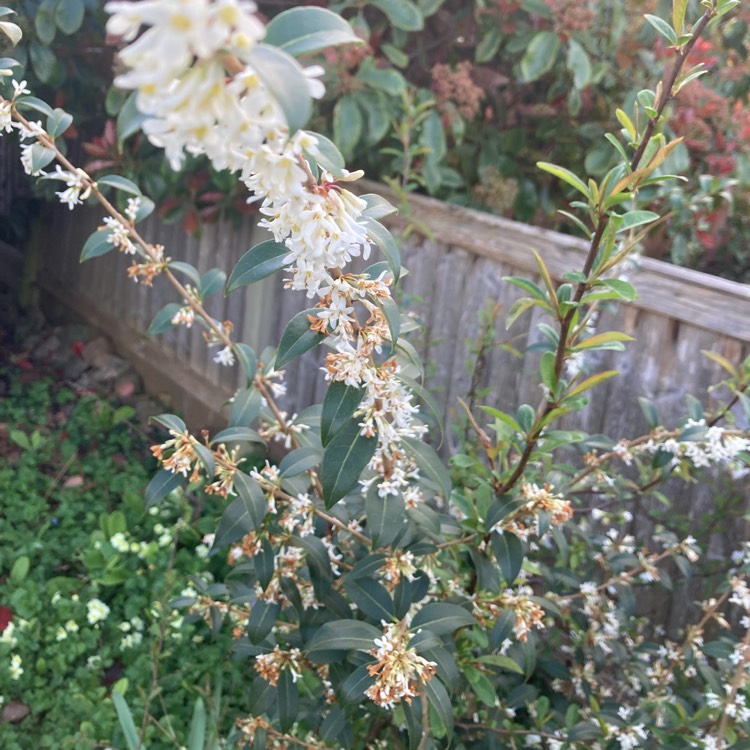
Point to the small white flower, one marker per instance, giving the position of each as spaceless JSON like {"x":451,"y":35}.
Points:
{"x":225,"y":357}
{"x":97,"y":611}
{"x":15,"y":667}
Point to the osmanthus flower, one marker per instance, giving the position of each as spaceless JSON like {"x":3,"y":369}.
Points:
{"x":523,"y":521}
{"x":528,"y":613}
{"x":270,"y":666}
{"x":400,"y":672}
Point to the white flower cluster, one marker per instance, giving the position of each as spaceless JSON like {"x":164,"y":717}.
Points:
{"x":193,"y":71}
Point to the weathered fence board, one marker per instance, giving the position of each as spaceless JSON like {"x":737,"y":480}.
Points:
{"x":452,"y":275}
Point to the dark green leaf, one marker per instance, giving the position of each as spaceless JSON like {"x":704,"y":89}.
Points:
{"x":344,"y":459}
{"x":297,"y":338}
{"x":245,"y":407}
{"x":119,"y":183}
{"x":288,"y":700}
{"x":353,"y":688}
{"x":31,"y":102}
{"x":262,"y":618}
{"x":189,"y":270}
{"x":442,"y":618}
{"x":341,"y":635}
{"x":58,"y":122}
{"x":161,"y":485}
{"x":171,"y":422}
{"x":385,"y":516}
{"x":125,"y":717}
{"x":247,"y":360}
{"x":347,"y":124}
{"x":163,"y":319}
{"x":298,"y":461}
{"x":96,"y":245}
{"x":371,"y":598}
{"x":237,"y":435}
{"x":197,"y":735}
{"x":211,"y":282}
{"x":377,"y":206}
{"x":440,"y":702}
{"x":339,"y":405}
{"x":257,"y":263}
{"x":44,"y":21}
{"x":429,"y":463}
{"x":509,"y":553}
{"x":69,"y":15}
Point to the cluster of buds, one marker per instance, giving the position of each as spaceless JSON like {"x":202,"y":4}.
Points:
{"x":179,"y":455}
{"x":528,"y":614}
{"x":400,"y":672}
{"x":524,"y":521}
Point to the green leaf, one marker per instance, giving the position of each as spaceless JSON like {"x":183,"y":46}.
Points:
{"x":663,"y":28}
{"x":591,"y":381}
{"x":649,"y":412}
{"x":163,"y":482}
{"x":385,"y":241}
{"x":58,"y":122}
{"x":20,"y":569}
{"x":377,"y":206}
{"x":395,"y":55}
{"x":297,"y":338}
{"x":288,"y":700}
{"x":375,"y":107}
{"x":129,"y":119}
{"x":31,"y":102}
{"x":403,"y":14}
{"x":247,"y":359}
{"x":344,"y":459}
{"x":339,"y":405}
{"x":429,"y":463}
{"x":125,"y":718}
{"x":69,"y":15}
{"x":257,"y":263}
{"x":341,"y":635}
{"x":245,"y":407}
{"x":197,"y":736}
{"x":286,"y":82}
{"x":298,"y":461}
{"x":442,"y":618}
{"x":489,"y":44}
{"x":237,"y":435}
{"x":481,"y":686}
{"x":262,"y":618}
{"x":525,"y":416}
{"x":634,"y":219}
{"x":599,"y":340}
{"x":211,"y":282}
{"x":301,"y":30}
{"x":679,"y":7}
{"x":503,"y":662}
{"x":356,"y":684}
{"x":206,"y":458}
{"x":44,"y":62}
{"x":566,"y":176}
{"x":547,"y":370}
{"x":327,"y":155}
{"x":425,"y":395}
{"x":371,"y":598}
{"x":44,"y":21}
{"x":244,"y":514}
{"x":392,"y":316}
{"x":189,"y":270}
{"x":385,"y":516}
{"x":509,"y":554}
{"x":347,"y":124}
{"x":170,"y":422}
{"x":540,"y":55}
{"x":41,"y":156}
{"x":579,"y":64}
{"x":163,"y":319}
{"x":440,"y":702}
{"x":386,"y":79}
{"x":119,"y":183}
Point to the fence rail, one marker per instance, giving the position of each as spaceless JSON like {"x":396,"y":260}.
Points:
{"x":453,"y":274}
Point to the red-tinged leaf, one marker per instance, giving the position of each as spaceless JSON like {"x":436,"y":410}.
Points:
{"x":6,"y":617}
{"x":191,"y":223}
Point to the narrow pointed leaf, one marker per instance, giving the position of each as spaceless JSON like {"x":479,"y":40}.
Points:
{"x":442,"y":618}
{"x":385,"y":517}
{"x":429,"y":463}
{"x":385,"y":241}
{"x":297,"y":338}
{"x":509,"y":554}
{"x":344,"y":460}
{"x":257,"y":263}
{"x":371,"y":598}
{"x":339,"y":405}
{"x":163,"y":319}
{"x":161,"y":485}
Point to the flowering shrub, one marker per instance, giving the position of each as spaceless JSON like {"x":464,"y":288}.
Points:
{"x":378,"y":598}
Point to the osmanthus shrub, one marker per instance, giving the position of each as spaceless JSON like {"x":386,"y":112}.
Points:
{"x":378,"y":597}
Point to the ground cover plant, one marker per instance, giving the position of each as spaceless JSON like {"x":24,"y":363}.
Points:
{"x":377,"y":597}
{"x":87,"y":573}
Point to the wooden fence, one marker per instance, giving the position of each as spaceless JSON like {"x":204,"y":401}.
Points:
{"x":453,"y":274}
